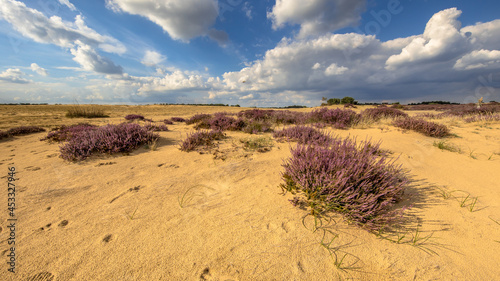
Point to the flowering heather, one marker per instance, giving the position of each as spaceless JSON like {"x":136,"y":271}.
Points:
{"x":178,"y":119}
{"x":197,"y":118}
{"x":427,"y":128}
{"x":338,"y":118}
{"x":108,"y":139}
{"x":378,"y":113}
{"x":168,"y":122}
{"x":24,"y":130}
{"x":155,"y":127}
{"x":255,"y":126}
{"x":302,"y":135}
{"x":217,"y":122}
{"x":256,"y":114}
{"x":132,"y":117}
{"x":347,"y":178}
{"x":199,"y":138}
{"x":482,"y":117}
{"x":288,"y":117}
{"x":65,"y":133}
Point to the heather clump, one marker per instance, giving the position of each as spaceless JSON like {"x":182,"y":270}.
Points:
{"x":256,"y":114}
{"x":347,"y":178}
{"x":255,"y":126}
{"x":483,"y":118}
{"x":168,"y":122}
{"x":302,"y":135}
{"x":217,"y":122}
{"x":65,"y":133}
{"x":177,"y":119}
{"x":4,"y":135}
{"x":108,"y":139}
{"x":378,"y":113}
{"x":287,"y":117}
{"x":155,"y":127}
{"x":24,"y":130}
{"x":201,"y":138}
{"x":427,"y":128}
{"x":133,"y":117}
{"x":197,"y":118}
{"x":338,"y":118}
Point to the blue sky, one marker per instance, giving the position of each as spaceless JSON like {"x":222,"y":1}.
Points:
{"x":252,"y":53}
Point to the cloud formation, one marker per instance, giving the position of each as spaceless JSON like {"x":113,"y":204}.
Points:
{"x":41,"y":71}
{"x":152,"y":58}
{"x":90,"y":60}
{"x":14,"y":75}
{"x":68,"y":4}
{"x":182,"y":20}
{"x":317,"y":17}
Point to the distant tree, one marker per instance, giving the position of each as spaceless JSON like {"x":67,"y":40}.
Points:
{"x":350,"y":100}
{"x":333,"y":101}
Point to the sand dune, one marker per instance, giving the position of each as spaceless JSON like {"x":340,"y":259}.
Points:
{"x":166,"y":214}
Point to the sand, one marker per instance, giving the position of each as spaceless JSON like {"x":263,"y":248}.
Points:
{"x":165,"y":214}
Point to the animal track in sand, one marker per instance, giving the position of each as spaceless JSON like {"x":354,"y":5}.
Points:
{"x":136,"y":189}
{"x":52,"y":155}
{"x":63,"y":223}
{"x":42,"y":276}
{"x":107,"y":238}
{"x":46,"y":226}
{"x":105,"y":164}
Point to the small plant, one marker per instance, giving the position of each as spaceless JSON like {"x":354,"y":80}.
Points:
{"x":24,"y":130}
{"x":202,"y":137}
{"x":177,"y":119}
{"x":108,"y":139}
{"x":443,"y":145}
{"x":261,"y":144}
{"x":132,"y":117}
{"x":471,"y":153}
{"x":131,"y":217}
{"x":155,"y":127}
{"x":187,"y":196}
{"x":427,"y":128}
{"x":65,"y":133}
{"x":86,"y":112}
{"x":167,"y":122}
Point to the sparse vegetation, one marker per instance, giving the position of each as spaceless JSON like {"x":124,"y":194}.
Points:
{"x":80,"y":111}
{"x":201,"y":138}
{"x":260,"y":144}
{"x":427,"y":128}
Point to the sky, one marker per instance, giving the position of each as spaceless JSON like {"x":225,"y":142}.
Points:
{"x":263,"y":53}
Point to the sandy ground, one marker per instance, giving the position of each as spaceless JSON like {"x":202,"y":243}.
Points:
{"x":165,"y":214}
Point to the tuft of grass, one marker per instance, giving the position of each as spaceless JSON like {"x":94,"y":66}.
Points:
{"x":79,"y":111}
{"x":260,"y":144}
{"x":131,"y":217}
{"x":443,"y":145}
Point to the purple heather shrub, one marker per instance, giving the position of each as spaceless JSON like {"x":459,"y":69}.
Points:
{"x":347,"y":178}
{"x":108,"y":139}
{"x":4,"y":135}
{"x":288,"y":117}
{"x":167,"y":122}
{"x":199,"y":138}
{"x":255,"y":127}
{"x":427,"y":128}
{"x":482,"y":117}
{"x":256,"y":114}
{"x":65,"y":133}
{"x":378,"y":113}
{"x":338,"y":118}
{"x":302,"y":135}
{"x":178,"y":119}
{"x":217,"y":122}
{"x":132,"y":117}
{"x":197,"y":118}
{"x":24,"y":130}
{"x":156,"y":127}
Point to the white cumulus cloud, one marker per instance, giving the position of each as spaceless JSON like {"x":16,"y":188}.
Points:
{"x":317,"y":17}
{"x":152,"y":58}
{"x":40,"y":70}
{"x":14,"y":75}
{"x":68,"y":4}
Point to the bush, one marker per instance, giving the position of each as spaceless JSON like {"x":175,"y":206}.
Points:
{"x":427,"y":128}
{"x":217,"y":122}
{"x":302,"y":135}
{"x":24,"y":130}
{"x":4,"y":135}
{"x":255,"y":126}
{"x":482,"y":117}
{"x":378,"y":113}
{"x":197,"y":118}
{"x":202,"y":137}
{"x":338,"y":118}
{"x":108,"y":139}
{"x":256,"y":114}
{"x":347,"y":178}
{"x":156,"y":128}
{"x":65,"y":133}
{"x":132,"y":117}
{"x":86,"y":112}
{"x":167,"y":122}
{"x":178,"y":119}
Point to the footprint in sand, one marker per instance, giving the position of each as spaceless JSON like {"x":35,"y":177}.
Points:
{"x":107,"y":238}
{"x":46,"y":226}
{"x":205,"y":275}
{"x":42,"y":276}
{"x":63,"y":223}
